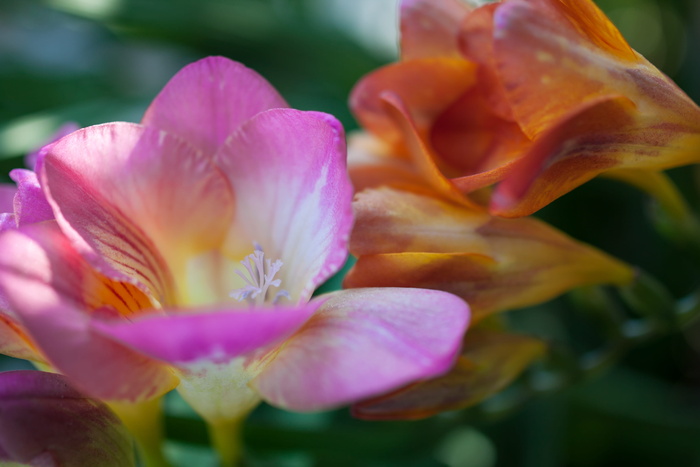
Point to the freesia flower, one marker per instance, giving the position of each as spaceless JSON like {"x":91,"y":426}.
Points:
{"x":540,"y":95}
{"x":185,"y":250}
{"x":44,"y":421}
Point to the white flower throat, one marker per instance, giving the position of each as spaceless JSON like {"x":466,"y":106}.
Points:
{"x":259,"y":276}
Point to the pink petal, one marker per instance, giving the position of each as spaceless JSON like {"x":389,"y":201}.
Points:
{"x":7,"y":196}
{"x":7,"y":221}
{"x":136,"y":202}
{"x":214,"y":335}
{"x":429,"y":27}
{"x":53,"y":291}
{"x":45,"y":422}
{"x":205,"y":102}
{"x":365,"y":342}
{"x":293,"y":195}
{"x":30,"y":204}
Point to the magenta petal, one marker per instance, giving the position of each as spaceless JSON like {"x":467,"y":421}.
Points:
{"x":7,"y":196}
{"x":364,"y":342}
{"x":207,"y":335}
{"x":205,"y":102}
{"x":30,"y":203}
{"x":45,"y":422}
{"x":7,"y":221}
{"x":293,"y":196}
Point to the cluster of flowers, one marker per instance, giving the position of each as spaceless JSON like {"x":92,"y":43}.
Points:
{"x":183,"y":252}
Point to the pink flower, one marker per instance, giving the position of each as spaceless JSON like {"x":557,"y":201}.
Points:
{"x":185,"y":250}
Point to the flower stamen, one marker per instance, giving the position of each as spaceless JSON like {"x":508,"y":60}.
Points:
{"x":259,"y":276}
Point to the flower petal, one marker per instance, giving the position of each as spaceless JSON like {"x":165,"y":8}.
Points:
{"x":604,"y":134}
{"x":293,"y":196}
{"x":553,"y":57}
{"x":122,"y":192}
{"x":429,"y":27}
{"x":473,"y":141}
{"x":7,"y":221}
{"x":475,"y":39}
{"x":426,"y":86}
{"x":205,"y":102}
{"x":43,"y":419}
{"x":372,"y":163}
{"x":489,"y":285}
{"x":362,"y":343}
{"x":53,"y":292}
{"x":394,"y":221}
{"x":211,"y":335}
{"x":30,"y":204}
{"x":407,"y":239}
{"x":424,"y":159}
{"x":15,"y":341}
{"x":488,"y":363}
{"x":7,"y":196}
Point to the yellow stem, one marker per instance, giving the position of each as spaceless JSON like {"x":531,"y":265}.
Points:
{"x":145,"y":422}
{"x":225,"y":436}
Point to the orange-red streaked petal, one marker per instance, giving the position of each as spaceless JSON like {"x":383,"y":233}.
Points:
{"x":15,"y":341}
{"x":47,"y":285}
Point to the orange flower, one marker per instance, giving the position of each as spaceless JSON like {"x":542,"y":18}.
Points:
{"x":539,"y":95}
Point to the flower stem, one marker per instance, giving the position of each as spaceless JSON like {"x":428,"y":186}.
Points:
{"x":145,"y":422}
{"x":225,"y":436}
{"x":671,"y":214}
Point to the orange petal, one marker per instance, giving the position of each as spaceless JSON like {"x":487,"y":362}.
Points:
{"x":373,"y":163}
{"x":429,"y":27}
{"x":476,"y":44}
{"x":553,"y":58}
{"x":424,"y":160}
{"x":591,"y":22}
{"x":489,"y":362}
{"x":606,"y":133}
{"x":395,"y":221}
{"x":475,"y":143}
{"x":411,"y":240}
{"x":426,"y":86}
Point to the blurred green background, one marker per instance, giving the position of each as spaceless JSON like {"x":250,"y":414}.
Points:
{"x":93,"y":61}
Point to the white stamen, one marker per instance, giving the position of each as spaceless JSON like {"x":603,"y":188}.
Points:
{"x":259,"y":278}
